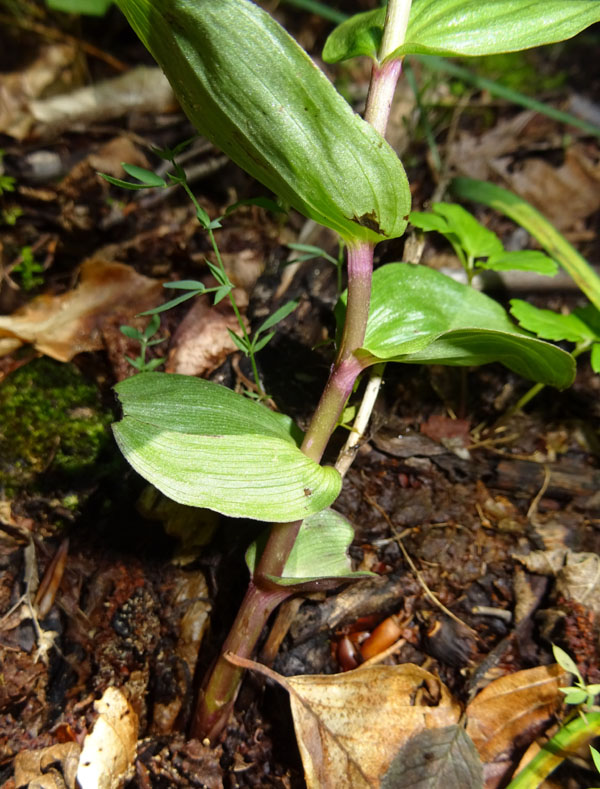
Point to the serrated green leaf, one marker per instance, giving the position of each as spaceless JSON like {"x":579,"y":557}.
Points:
{"x":466,"y":28}
{"x":248,"y":87}
{"x":320,"y":551}
{"x":418,"y":315}
{"x":548,"y":324}
{"x":523,"y":260}
{"x":206,"y":446}
{"x":473,"y":237}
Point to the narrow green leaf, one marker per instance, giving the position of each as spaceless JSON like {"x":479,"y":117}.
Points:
{"x":123,"y":184}
{"x":320,"y":551}
{"x":249,"y":88}
{"x":258,"y":346}
{"x":595,"y":757}
{"x":88,"y":7}
{"x":466,"y":27}
{"x":419,"y":316}
{"x":222,"y":292}
{"x":280,"y":314}
{"x":240,"y":342}
{"x":595,"y":357}
{"x":186,"y":284}
{"x":147,"y":177}
{"x":548,"y":324}
{"x":206,"y":446}
{"x":168,"y":305}
{"x":313,"y":252}
{"x":523,"y":260}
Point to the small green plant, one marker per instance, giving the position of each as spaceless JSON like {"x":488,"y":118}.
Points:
{"x":141,"y":364}
{"x":204,"y":445}
{"x":29,"y":270}
{"x":477,"y":247}
{"x":250,"y":345}
{"x":580,"y":694}
{"x":310,"y":252}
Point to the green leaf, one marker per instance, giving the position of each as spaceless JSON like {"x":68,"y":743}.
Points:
{"x":312,"y":252}
{"x":565,"y":661}
{"x":540,"y":228}
{"x":574,"y":695}
{"x":147,"y":177}
{"x":418,"y":315}
{"x":131,"y":332}
{"x":187,"y":284}
{"x":280,"y":314}
{"x":320,"y":551}
{"x":523,"y":260}
{"x":258,"y":346}
{"x":466,"y":27}
{"x":359,"y":35}
{"x":590,"y":315}
{"x":240,"y":342}
{"x":248,"y":87}
{"x":123,"y":184}
{"x":168,"y":305}
{"x":89,"y":7}
{"x":595,"y":357}
{"x":595,"y":757}
{"x":206,"y":446}
{"x":548,"y":324}
{"x":476,"y":240}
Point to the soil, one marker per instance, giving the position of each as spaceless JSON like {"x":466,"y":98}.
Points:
{"x":141,"y":596}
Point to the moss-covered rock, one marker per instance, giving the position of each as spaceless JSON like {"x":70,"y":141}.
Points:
{"x":52,"y":423}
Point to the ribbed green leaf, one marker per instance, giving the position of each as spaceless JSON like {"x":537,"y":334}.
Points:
{"x":206,"y":446}
{"x":247,"y":86}
{"x":421,"y":316}
{"x":466,"y":27}
{"x":320,"y":551}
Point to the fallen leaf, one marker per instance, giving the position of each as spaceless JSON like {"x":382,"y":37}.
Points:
{"x":350,"y":726}
{"x":202,"y":341}
{"x":108,"y":752}
{"x":436,"y":757}
{"x":577,"y":574}
{"x":511,"y":711}
{"x":63,"y":326}
{"x":54,"y":767}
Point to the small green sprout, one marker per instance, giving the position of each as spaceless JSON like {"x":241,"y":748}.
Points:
{"x":29,"y":270}
{"x":579,"y":693}
{"x":145,"y":340}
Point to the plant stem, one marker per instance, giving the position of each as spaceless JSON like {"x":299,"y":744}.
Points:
{"x":215,"y":704}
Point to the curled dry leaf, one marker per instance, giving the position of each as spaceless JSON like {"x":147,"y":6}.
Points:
{"x":577,"y":574}
{"x":63,"y":326}
{"x":513,"y":710}
{"x":53,"y":767}
{"x":108,"y":752}
{"x":202,"y":341}
{"x":350,"y":726}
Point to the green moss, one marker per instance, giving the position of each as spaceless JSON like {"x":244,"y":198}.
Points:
{"x":51,"y":422}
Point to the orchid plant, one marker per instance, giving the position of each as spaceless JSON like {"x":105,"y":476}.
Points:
{"x":252,"y":90}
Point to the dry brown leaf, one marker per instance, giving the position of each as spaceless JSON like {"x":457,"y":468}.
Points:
{"x":54,"y":767}
{"x":63,"y":326}
{"x":514,"y":709}
{"x":202,"y":341}
{"x":577,"y":574}
{"x":109,"y":751}
{"x":350,"y":726}
{"x":55,"y":67}
{"x":565,"y":194}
